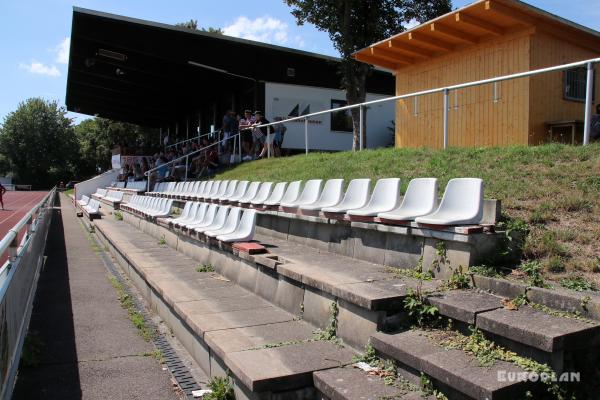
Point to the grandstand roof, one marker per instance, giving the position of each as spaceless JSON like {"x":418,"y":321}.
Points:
{"x":150,"y":73}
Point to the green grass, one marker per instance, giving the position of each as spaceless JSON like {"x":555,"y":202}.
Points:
{"x":69,"y":192}
{"x":555,"y":188}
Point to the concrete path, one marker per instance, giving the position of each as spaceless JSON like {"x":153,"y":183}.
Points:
{"x":88,"y":348}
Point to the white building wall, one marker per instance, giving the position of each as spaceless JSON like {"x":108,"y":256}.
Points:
{"x":282,"y":99}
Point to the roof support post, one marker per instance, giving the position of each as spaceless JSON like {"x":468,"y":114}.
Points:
{"x":446,"y":99}
{"x":587,"y":125}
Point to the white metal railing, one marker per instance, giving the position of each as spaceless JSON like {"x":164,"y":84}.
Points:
{"x":187,"y":156}
{"x":446,"y":92}
{"x":18,"y":283}
{"x":181,"y":142}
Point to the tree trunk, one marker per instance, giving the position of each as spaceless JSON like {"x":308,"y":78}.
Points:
{"x":356,"y":93}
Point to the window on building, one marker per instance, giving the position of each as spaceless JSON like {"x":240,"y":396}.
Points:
{"x":575,"y":84}
{"x":341,"y":120}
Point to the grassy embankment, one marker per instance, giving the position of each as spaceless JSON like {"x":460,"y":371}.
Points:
{"x":554,"y":188}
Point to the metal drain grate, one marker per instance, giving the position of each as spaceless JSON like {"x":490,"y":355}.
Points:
{"x":178,"y":370}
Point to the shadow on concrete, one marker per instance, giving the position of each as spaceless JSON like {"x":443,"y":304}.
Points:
{"x":50,"y":370}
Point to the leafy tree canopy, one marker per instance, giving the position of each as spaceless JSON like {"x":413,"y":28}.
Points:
{"x":356,"y":24}
{"x":193,"y":25}
{"x":38,"y":144}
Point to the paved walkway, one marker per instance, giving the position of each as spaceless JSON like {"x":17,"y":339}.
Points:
{"x":88,"y":347}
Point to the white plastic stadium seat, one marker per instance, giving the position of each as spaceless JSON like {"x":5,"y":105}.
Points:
{"x":231,"y":223}
{"x":275,"y":196}
{"x":195,"y":216}
{"x":385,"y":198}
{"x":462,"y":204}
{"x":263,"y":193}
{"x":240,"y":191}
{"x":291,"y":194}
{"x":213,"y":190}
{"x":250,"y":193}
{"x":84,"y":201}
{"x":229,"y":191}
{"x":420,"y":199}
{"x":217,"y":222}
{"x":206,"y":219}
{"x":245,"y":229}
{"x":310,"y":194}
{"x":222,"y":189}
{"x":357,"y":195}
{"x":184,"y":213}
{"x":330,"y":196}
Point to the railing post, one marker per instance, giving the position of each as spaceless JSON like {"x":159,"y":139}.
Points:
{"x":446,"y":98}
{"x":268,"y":141}
{"x":587,"y":124}
{"x":186,"y":167}
{"x":240,"y":145}
{"x":360,"y":128}
{"x":12,"y":249}
{"x":306,"y":135}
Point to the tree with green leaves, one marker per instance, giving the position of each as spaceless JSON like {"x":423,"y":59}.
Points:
{"x":193,"y":25}
{"x":355,"y":24}
{"x":38,"y":145}
{"x":98,"y":136}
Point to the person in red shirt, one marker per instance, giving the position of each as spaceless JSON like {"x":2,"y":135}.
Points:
{"x":2,"y":191}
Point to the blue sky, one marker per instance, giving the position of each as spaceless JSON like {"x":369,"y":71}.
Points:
{"x":35,"y":33}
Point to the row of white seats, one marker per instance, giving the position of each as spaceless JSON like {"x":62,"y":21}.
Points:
{"x":136,"y":186}
{"x":149,"y":206}
{"x":225,"y":223}
{"x":462,"y":202}
{"x":83,"y":201}
{"x":114,"y":196}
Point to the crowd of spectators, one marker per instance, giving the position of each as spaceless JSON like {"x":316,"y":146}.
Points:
{"x":211,"y":151}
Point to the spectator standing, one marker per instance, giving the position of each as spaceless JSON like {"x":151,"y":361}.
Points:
{"x":229,"y":128}
{"x":280,"y":130}
{"x":2,"y":191}
{"x":260,"y":134}
{"x":246,"y":122}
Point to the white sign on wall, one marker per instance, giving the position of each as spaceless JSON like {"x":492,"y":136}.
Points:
{"x":287,"y":101}
{"x":116,"y":161}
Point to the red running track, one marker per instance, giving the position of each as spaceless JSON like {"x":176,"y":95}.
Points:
{"x":16,"y":205}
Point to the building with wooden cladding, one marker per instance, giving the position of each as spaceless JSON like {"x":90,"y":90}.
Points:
{"x":487,"y":39}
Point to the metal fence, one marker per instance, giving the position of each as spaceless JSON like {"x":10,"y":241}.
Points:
{"x":18,"y":283}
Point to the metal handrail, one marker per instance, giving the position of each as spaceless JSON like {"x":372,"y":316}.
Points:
{"x":8,"y":242}
{"x":147,"y":173}
{"x":446,"y":89}
{"x":192,"y":139}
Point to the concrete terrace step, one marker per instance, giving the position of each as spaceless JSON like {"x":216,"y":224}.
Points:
{"x":362,"y":283}
{"x":224,"y":326}
{"x":455,"y":372}
{"x":353,"y":384}
{"x":528,"y":331}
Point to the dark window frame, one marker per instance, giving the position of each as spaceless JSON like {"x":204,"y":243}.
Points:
{"x":575,"y":92}
{"x":334,"y":123}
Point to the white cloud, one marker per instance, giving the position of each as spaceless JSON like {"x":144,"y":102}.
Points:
{"x":263,"y":29}
{"x":39,"y":68}
{"x":62,"y":51}
{"x":411,"y":24}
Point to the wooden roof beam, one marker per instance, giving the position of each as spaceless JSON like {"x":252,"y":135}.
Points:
{"x":508,"y":12}
{"x":391,"y":56}
{"x":362,"y":57}
{"x":396,"y":45}
{"x":453,"y":33}
{"x":478,"y":23}
{"x":430,"y":41}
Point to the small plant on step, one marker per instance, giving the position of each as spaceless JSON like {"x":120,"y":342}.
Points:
{"x":440,"y":253}
{"x":420,"y":312}
{"x":458,"y":280}
{"x":330,"y":332}
{"x":222,"y":389}
{"x":428,"y":390}
{"x":533,"y":270}
{"x":577,"y":283}
{"x":205,"y":268}
{"x":162,"y":241}
{"x":118,"y":215}
{"x":386,"y":369}
{"x":485,"y":270}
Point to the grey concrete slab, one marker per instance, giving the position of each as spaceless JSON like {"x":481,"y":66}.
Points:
{"x":538,"y":329}
{"x":286,"y":367}
{"x":464,"y":305}
{"x":353,"y":384}
{"x":254,"y":337}
{"x":454,"y":368}
{"x":202,"y":323}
